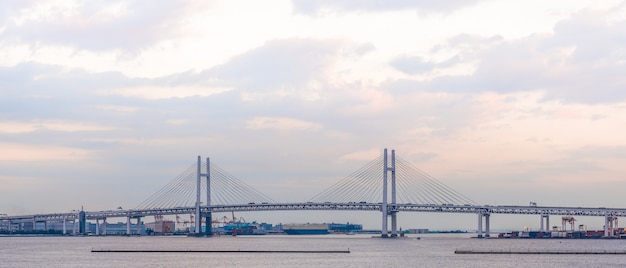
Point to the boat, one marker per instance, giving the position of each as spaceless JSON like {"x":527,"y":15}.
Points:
{"x":306,"y":229}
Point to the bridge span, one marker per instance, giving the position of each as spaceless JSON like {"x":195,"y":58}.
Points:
{"x":439,"y":199}
{"x":483,"y":212}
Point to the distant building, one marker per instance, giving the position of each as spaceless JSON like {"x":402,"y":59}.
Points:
{"x":118,"y":228}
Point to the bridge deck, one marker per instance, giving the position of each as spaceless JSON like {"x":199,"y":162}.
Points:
{"x":432,"y":208}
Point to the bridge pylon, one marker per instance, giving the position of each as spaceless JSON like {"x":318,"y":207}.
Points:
{"x":208,"y":215}
{"x":387,"y":210}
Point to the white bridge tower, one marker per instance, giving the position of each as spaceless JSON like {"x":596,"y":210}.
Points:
{"x":389,"y":209}
{"x":199,"y":199}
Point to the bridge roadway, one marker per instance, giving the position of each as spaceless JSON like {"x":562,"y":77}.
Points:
{"x":442,"y":208}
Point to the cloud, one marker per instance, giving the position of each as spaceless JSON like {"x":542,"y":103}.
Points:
{"x":367,"y":155}
{"x":582,"y":61}
{"x":97,"y":25}
{"x":281,"y":123}
{"x":412,"y":65}
{"x":280,"y":64}
{"x":30,"y":152}
{"x":16,"y":127}
{"x":315,"y":6}
{"x":154,"y":92}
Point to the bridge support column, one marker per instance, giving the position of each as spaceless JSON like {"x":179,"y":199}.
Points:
{"x":138,"y":225}
{"x":208,"y":223}
{"x":104,"y":226}
{"x":547,"y":223}
{"x":128,"y":226}
{"x":487,"y":231}
{"x":614,"y":227}
{"x":97,"y":226}
{"x":611,"y":231}
{"x":606,"y":226}
{"x":394,"y":224}
{"x":610,"y":224}
{"x":481,"y":215}
{"x":480,"y":225}
{"x":64,"y":228}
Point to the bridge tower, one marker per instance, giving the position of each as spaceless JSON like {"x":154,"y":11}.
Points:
{"x":199,"y":198}
{"x":387,"y":210}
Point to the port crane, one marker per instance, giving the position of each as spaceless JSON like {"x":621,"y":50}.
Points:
{"x":565,"y":220}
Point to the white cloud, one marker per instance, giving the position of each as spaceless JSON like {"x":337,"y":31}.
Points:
{"x":362,"y":156}
{"x":163,"y":92}
{"x":281,"y":123}
{"x":32,"y":152}
{"x":16,"y":127}
{"x":118,"y":108}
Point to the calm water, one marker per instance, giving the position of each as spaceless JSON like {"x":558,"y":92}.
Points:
{"x":430,"y":251}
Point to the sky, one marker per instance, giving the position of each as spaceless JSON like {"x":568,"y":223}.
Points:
{"x":104,"y":102}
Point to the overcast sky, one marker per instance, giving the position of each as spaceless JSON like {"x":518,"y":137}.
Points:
{"x":104,"y":102}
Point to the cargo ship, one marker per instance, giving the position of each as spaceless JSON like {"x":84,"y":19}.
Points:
{"x":306,"y":229}
{"x":243,"y":228}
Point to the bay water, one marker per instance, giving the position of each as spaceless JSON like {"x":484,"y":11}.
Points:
{"x":431,"y":250}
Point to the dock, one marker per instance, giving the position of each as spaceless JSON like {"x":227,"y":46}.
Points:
{"x":544,"y":252}
{"x":212,"y":251}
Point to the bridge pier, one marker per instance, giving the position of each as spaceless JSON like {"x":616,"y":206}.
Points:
{"x":610,"y":224}
{"x":547,"y":222}
{"x":97,"y":226}
{"x":209,"y":226}
{"x":482,"y":215}
{"x":104,"y":226}
{"x":138,"y":225}
{"x":394,"y":224}
{"x":64,"y":228}
{"x":487,"y":229}
{"x":128,"y":233}
{"x":480,"y":225}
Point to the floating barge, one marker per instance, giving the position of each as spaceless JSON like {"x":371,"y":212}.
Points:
{"x":306,"y":229}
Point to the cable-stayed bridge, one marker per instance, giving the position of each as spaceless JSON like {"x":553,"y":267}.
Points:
{"x":388,"y":184}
